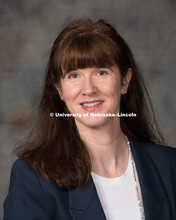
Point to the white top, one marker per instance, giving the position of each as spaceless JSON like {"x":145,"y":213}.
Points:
{"x":118,"y":195}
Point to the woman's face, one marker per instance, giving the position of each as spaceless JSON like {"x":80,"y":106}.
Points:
{"x":93,"y":90}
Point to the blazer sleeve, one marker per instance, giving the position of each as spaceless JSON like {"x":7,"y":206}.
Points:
{"x":26,"y":199}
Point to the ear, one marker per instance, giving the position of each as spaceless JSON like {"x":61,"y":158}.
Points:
{"x":59,"y":89}
{"x":126,"y":81}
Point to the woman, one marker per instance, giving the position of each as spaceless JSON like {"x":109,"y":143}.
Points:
{"x":96,"y":164}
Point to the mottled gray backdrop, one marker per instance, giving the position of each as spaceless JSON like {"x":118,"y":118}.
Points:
{"x":28,"y":29}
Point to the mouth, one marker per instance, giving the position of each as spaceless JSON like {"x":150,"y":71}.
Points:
{"x":91,"y":105}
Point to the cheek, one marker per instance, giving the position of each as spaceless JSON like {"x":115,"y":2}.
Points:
{"x":70,"y":91}
{"x":112,"y":89}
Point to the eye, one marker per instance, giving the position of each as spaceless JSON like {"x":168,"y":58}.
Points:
{"x":102,"y":73}
{"x":73,"y":76}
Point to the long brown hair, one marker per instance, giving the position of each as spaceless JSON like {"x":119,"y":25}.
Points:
{"x":54,"y":146}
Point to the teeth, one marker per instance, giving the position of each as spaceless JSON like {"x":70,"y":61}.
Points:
{"x":91,"y":104}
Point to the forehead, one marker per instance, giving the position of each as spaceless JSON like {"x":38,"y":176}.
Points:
{"x":87,"y":52}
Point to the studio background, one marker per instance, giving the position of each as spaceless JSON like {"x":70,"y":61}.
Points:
{"x":28,"y":29}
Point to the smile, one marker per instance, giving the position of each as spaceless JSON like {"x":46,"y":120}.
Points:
{"x":91,"y":104}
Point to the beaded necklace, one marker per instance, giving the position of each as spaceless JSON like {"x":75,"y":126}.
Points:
{"x":140,"y":204}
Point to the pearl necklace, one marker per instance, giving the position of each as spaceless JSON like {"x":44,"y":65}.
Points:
{"x":140,"y":204}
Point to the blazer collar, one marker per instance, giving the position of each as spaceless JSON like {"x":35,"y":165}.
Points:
{"x":84,"y":203}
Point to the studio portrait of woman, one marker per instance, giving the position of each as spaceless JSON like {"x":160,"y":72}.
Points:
{"x":94,"y":151}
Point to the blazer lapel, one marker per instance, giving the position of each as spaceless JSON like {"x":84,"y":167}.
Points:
{"x":155,"y":200}
{"x":84,"y":203}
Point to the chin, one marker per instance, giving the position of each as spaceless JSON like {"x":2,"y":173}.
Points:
{"x":92,"y":122}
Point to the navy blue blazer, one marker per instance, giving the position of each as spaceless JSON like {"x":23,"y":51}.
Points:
{"x":31,"y":197}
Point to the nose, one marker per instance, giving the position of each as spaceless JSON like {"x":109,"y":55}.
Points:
{"x":89,"y":87}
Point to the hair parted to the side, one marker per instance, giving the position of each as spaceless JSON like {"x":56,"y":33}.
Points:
{"x":54,"y":146}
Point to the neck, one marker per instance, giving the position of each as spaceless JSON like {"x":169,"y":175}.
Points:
{"x":107,"y":148}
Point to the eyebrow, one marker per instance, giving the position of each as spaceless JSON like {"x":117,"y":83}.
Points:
{"x":109,"y":68}
{"x":97,"y":68}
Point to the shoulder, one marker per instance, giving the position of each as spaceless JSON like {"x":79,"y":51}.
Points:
{"x":160,"y":154}
{"x":22,"y":172}
{"x":22,"y":166}
{"x":25,"y":180}
{"x":160,"y":150}
{"x":30,"y":194}
{"x":154,"y":148}
{"x":24,"y":175}
{"x":26,"y":196}
{"x":21,"y":163}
